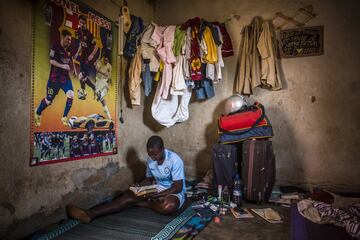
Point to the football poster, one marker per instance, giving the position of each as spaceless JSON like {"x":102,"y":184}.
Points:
{"x":74,"y":83}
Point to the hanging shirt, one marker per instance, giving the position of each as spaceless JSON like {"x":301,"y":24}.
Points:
{"x":134,"y":77}
{"x":167,"y":56}
{"x":214,"y":71}
{"x":148,"y":48}
{"x":210,"y":55}
{"x":178,"y":85}
{"x":178,"y":41}
{"x":195,"y":61}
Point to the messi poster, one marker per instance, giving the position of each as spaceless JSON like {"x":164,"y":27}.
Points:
{"x":74,"y":83}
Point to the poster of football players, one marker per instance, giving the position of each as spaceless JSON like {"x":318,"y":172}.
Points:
{"x":74,"y":83}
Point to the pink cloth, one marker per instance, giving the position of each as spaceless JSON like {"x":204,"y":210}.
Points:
{"x":166,"y":54}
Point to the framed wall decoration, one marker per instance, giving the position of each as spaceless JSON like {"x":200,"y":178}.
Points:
{"x":302,"y":42}
{"x":74,"y":83}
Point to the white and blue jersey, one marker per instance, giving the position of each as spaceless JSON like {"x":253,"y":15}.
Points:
{"x":172,"y":169}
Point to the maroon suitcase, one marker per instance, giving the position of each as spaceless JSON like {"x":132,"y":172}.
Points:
{"x":258,"y":170}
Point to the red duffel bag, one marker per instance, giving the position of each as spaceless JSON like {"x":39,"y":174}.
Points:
{"x":252,"y":117}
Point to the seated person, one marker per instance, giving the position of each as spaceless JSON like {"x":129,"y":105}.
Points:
{"x":163,"y":166}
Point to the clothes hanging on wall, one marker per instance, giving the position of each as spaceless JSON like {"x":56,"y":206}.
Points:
{"x":146,"y":76}
{"x":270,"y":63}
{"x":195,"y":60}
{"x":131,"y":43}
{"x":169,"y":111}
{"x":167,"y":56}
{"x":134,"y":77}
{"x":206,"y":89}
{"x":258,"y":58}
{"x":226,"y":48}
{"x":148,"y":48}
{"x":183,"y":58}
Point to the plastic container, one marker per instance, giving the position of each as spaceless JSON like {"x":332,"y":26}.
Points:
{"x":226,"y":195}
{"x":237,"y":192}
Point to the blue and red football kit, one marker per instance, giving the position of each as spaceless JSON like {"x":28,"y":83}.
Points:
{"x":59,"y":78}
{"x":87,"y":46}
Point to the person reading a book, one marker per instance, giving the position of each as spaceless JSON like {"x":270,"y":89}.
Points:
{"x":164,"y":168}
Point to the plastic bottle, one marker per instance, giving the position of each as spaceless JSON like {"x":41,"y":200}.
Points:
{"x":226,"y":195}
{"x":220,"y":193}
{"x":237,"y":193}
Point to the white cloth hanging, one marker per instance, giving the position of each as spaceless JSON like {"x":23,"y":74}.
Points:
{"x":172,"y":110}
{"x":178,"y":85}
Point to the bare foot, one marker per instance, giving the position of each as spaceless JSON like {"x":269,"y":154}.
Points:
{"x":77,"y":213}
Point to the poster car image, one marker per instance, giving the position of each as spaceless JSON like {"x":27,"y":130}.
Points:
{"x":74,"y":85}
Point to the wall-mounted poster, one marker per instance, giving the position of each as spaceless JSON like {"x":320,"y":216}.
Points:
{"x":302,"y":42}
{"x":74,"y":84}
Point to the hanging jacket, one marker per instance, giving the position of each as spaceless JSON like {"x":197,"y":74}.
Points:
{"x":255,"y":62}
{"x":137,"y":28}
{"x":269,"y":63}
{"x":134,"y":77}
{"x":243,"y":79}
{"x":227,"y":48}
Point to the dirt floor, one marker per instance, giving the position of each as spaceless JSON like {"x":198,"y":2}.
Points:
{"x":250,"y":229}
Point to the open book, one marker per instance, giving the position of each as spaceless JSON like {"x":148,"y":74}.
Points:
{"x":142,"y":190}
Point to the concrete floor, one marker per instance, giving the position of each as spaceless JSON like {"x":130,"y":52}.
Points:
{"x":249,"y":229}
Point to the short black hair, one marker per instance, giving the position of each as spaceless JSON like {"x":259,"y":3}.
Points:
{"x":155,"y":142}
{"x":65,"y":33}
{"x":82,"y":17}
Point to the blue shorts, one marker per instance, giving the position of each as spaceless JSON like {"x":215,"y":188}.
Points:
{"x":54,"y":88}
{"x":180,"y":196}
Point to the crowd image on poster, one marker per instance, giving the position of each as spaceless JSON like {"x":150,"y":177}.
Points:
{"x":74,"y":85}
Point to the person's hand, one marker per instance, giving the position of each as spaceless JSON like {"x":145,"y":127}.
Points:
{"x":66,"y":67}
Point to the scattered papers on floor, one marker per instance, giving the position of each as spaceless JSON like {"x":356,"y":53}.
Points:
{"x":268,"y":214}
{"x":241,"y":213}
